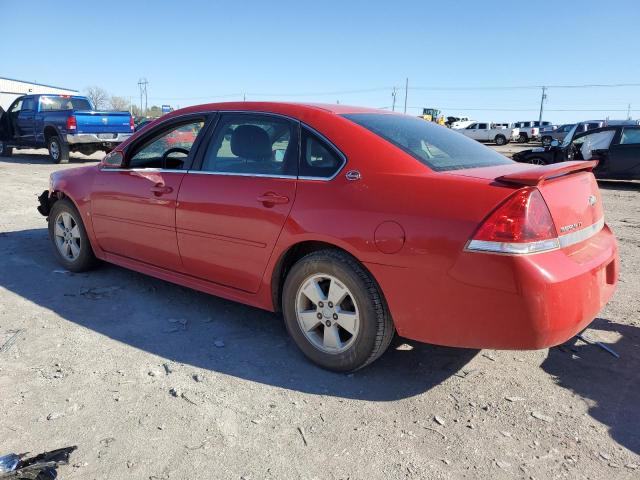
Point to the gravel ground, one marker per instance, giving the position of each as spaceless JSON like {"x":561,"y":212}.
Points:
{"x":155,"y":381}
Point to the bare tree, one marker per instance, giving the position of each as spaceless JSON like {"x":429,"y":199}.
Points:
{"x":98,"y":96}
{"x":119,"y":104}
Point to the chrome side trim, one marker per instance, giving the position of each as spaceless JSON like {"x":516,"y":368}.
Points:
{"x":152,"y":170}
{"x":233,"y":174}
{"x":581,"y":235}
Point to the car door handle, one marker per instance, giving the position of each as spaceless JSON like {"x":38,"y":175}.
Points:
{"x":270,"y":199}
{"x":161,"y":190}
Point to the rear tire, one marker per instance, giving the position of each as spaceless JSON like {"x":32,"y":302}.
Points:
{"x":523,"y":138}
{"x":500,"y":140}
{"x":58,"y":150}
{"x":69,"y":237}
{"x":5,"y":151}
{"x":345,"y":336}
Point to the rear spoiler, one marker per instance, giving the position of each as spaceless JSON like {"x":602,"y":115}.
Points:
{"x":537,"y":175}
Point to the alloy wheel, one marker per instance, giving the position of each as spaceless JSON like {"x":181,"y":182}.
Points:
{"x":67,"y":236}
{"x":327,"y":313}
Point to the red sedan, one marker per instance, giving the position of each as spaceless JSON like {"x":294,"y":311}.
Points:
{"x":355,"y":223}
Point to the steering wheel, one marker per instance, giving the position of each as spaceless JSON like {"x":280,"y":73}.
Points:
{"x":166,"y":154}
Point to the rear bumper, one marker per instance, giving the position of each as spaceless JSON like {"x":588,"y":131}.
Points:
{"x":504,"y":301}
{"x":93,"y":138}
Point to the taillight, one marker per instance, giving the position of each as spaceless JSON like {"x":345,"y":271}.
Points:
{"x":131,"y":124}
{"x":521,"y":224}
{"x":72,"y":124}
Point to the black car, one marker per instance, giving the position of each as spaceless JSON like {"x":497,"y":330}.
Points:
{"x":616,"y":147}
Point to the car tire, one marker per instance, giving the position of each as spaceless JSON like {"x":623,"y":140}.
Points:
{"x":500,"y":140}
{"x":342,"y":337}
{"x":546,"y":141}
{"x":5,"y":151}
{"x":58,"y":150}
{"x":523,"y":138}
{"x":536,"y":161}
{"x":69,"y":237}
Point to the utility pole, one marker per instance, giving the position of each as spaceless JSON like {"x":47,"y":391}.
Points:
{"x":542,"y":100}
{"x":406,"y":93}
{"x":629,"y":111}
{"x":142,"y":85}
{"x":393,"y":97}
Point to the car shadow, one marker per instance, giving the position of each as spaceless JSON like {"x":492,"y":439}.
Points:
{"x":184,"y":326}
{"x":619,"y":185}
{"x":610,"y":384}
{"x":43,"y":159}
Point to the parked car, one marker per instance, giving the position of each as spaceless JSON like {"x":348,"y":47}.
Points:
{"x":462,"y":123}
{"x":489,"y":132}
{"x":557,"y":133}
{"x":529,"y":130}
{"x":62,"y":124}
{"x":617,"y":149}
{"x":283,"y":207}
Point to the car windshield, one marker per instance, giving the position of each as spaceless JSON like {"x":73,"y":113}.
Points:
{"x":437,"y":147}
{"x":569,"y":136}
{"x":64,"y":103}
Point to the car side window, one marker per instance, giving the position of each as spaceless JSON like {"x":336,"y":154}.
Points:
{"x":17,"y":107}
{"x":252,"y":144}
{"x":27,"y":104}
{"x":169,"y":148}
{"x":472,"y":126}
{"x":318,"y":159}
{"x":482,"y":126}
{"x":630,"y":136}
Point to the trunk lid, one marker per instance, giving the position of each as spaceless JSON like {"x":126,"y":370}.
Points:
{"x":568,"y":188}
{"x":103,"y":122}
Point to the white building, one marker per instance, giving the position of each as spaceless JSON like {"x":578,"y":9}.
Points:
{"x":11,"y":89}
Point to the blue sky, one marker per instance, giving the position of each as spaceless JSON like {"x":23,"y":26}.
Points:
{"x":349,"y":51}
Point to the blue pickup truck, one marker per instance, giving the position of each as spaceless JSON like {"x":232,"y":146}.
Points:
{"x":62,"y":124}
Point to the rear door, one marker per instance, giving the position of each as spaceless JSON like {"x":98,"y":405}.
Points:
{"x":624,"y":155}
{"x":482,"y":132}
{"x":134,"y":207}
{"x":233,"y":205}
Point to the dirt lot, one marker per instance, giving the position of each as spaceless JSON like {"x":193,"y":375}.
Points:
{"x":155,"y":381}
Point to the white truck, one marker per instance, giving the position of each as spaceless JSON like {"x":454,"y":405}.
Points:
{"x":529,"y":130}
{"x":490,"y":132}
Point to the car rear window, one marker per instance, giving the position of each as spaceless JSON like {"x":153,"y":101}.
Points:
{"x":437,"y":147}
{"x":54,"y":103}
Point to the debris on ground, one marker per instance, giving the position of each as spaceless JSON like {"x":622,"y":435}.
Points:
{"x":304,"y":439}
{"x":178,"y":325}
{"x":41,"y":467}
{"x":598,"y":344}
{"x":13,"y":336}
{"x":96,"y":293}
{"x":542,"y":416}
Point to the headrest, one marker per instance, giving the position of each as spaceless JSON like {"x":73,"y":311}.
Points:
{"x":250,"y":141}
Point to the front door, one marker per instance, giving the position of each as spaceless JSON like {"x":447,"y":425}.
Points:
{"x":25,"y":120}
{"x":233,"y":205}
{"x":133,"y":208}
{"x":624,"y":156}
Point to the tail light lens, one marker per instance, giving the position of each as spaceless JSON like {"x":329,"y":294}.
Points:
{"x":131,"y":124}
{"x":521,"y":224}
{"x":72,"y":123}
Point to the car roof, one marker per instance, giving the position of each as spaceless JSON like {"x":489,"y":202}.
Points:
{"x":291,"y":108}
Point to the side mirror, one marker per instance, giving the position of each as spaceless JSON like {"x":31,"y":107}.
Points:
{"x":555,"y":142}
{"x":112,"y":160}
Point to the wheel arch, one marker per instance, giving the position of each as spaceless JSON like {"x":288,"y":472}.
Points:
{"x":50,"y":131}
{"x":294,"y":253}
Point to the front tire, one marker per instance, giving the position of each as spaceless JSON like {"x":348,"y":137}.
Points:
{"x":58,"y":150}
{"x":523,"y":138}
{"x":546,"y":141}
{"x":334,"y":311}
{"x":500,"y":140}
{"x":69,"y":237}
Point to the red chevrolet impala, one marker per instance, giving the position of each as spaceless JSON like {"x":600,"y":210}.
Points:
{"x":355,"y":223}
